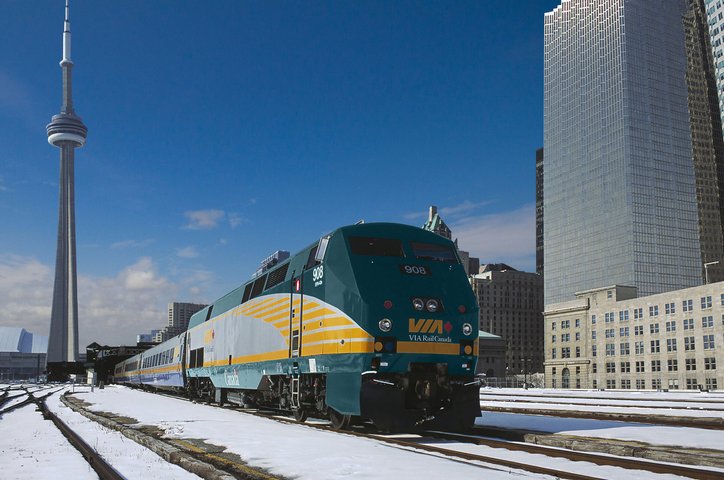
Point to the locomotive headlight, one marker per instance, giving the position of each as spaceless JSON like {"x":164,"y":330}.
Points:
{"x":385,"y":324}
{"x":418,"y":304}
{"x":432,"y":305}
{"x":467,"y":329}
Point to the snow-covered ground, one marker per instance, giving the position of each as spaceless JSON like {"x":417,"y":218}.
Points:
{"x":32,"y":448}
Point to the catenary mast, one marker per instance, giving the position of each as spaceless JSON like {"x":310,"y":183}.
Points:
{"x":67,"y":132}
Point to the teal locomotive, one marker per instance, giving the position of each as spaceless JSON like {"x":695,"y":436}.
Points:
{"x":374,"y":321}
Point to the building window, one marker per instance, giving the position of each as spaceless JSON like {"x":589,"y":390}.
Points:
{"x":608,"y":316}
{"x":640,"y":366}
{"x":710,"y":363}
{"x":594,"y":367}
{"x":686,"y":306}
{"x":565,"y":337}
{"x":672,"y":365}
{"x":708,"y":342}
{"x":625,"y":350}
{"x":593,"y":334}
{"x":654,"y":328}
{"x":553,"y":326}
{"x":553,"y":353}
{"x":706,"y":302}
{"x":623,"y":331}
{"x":689,"y":343}
{"x":595,"y":383}
{"x":566,"y":352}
{"x":655,"y":347}
{"x":671,"y":326}
{"x":610,"y":333}
{"x":593,"y":318}
{"x":553,"y":383}
{"x":691,"y":384}
{"x":711,"y":383}
{"x":638,"y":330}
{"x":639,"y":347}
{"x":593,"y":350}
{"x":625,"y":367}
{"x":578,"y":353}
{"x":565,"y":324}
{"x":610,"y":349}
{"x":690,"y":364}
{"x":609,"y":294}
{"x":655,"y":365}
{"x":578,"y":322}
{"x":670,"y":344}
{"x":640,"y":384}
{"x":626,"y":384}
{"x":610,"y":367}
{"x":578,"y":336}
{"x":688,"y":324}
{"x":670,"y":308}
{"x":656,"y":384}
{"x":653,"y":311}
{"x":623,"y":315}
{"x":610,"y":383}
{"x":553,"y":371}
{"x":553,"y":339}
{"x":638,"y":313}
{"x":706,"y":322}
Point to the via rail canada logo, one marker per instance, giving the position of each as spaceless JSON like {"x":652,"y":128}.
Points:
{"x":429,"y":330}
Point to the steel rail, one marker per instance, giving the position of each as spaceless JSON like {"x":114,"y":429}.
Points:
{"x":707,"y":423}
{"x":598,"y":459}
{"x":616,"y":405}
{"x":104,"y":470}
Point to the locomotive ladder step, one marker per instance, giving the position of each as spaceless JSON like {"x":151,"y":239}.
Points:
{"x":295,"y":391}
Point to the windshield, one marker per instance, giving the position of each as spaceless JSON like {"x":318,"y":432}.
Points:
{"x":377,"y":247}
{"x":434,"y":252}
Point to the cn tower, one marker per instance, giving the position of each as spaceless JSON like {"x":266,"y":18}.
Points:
{"x":67,"y":132}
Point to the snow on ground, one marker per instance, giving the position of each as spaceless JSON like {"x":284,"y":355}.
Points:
{"x":126,"y":456}
{"x":31,"y":447}
{"x":589,"y":407}
{"x":290,"y":450}
{"x":672,"y":395}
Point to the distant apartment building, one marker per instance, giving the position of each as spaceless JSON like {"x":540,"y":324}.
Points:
{"x":609,"y":338}
{"x":179,"y":315}
{"x":511,"y":306}
{"x":620,"y":198}
{"x":436,"y":224}
{"x":147,"y":337}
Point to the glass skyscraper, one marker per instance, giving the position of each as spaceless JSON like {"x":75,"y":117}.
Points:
{"x":620,"y":201}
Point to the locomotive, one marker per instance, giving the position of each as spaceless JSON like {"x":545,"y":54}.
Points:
{"x":373,"y":322}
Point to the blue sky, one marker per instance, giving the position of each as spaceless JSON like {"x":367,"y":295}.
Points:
{"x":222,"y":131}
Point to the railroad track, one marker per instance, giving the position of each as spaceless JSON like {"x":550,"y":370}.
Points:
{"x":717,"y":401}
{"x":104,"y":470}
{"x":617,"y":405}
{"x":422,"y":442}
{"x":709,"y":423}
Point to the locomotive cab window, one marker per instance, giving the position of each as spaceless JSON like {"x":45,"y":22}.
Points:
{"x":376,"y":247}
{"x":434,"y":252}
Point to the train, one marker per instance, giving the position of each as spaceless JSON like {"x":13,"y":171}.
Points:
{"x":375,"y":322}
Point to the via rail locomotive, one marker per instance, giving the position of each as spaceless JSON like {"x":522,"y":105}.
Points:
{"x":374,"y":322}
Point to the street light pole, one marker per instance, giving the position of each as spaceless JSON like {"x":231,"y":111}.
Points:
{"x":706,"y":270}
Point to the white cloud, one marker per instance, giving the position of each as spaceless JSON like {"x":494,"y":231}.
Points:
{"x":507,"y":237}
{"x":187,"y":252}
{"x":111,"y":310}
{"x":235,"y":220}
{"x":204,"y":219}
{"x":132,"y":244}
{"x":3,"y":188}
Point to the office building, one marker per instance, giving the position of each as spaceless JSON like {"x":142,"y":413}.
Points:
{"x":539,"y":211}
{"x":609,"y":338}
{"x":436,"y":224}
{"x":707,"y":141}
{"x":715,"y":20}
{"x":22,"y":354}
{"x":179,"y":315}
{"x":620,"y":188}
{"x":511,"y":306}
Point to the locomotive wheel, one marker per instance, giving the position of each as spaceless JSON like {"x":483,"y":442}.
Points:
{"x":300,"y":415}
{"x":339,"y":421}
